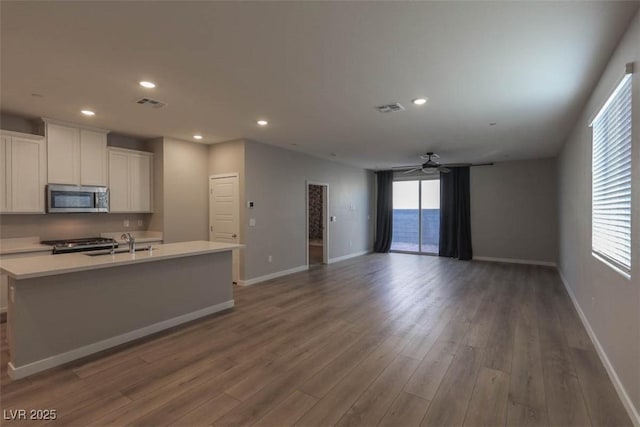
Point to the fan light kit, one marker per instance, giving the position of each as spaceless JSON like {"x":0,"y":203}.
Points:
{"x":419,"y":101}
{"x":148,"y":85}
{"x":88,"y":113}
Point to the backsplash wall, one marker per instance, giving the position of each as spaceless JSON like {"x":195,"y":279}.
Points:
{"x":61,"y":226}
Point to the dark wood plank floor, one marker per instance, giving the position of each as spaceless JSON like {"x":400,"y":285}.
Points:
{"x":392,"y":340}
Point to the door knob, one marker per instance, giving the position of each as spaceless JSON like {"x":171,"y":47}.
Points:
{"x":234,"y":235}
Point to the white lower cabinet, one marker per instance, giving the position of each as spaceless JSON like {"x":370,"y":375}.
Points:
{"x":130,"y":180}
{"x":23,"y":173}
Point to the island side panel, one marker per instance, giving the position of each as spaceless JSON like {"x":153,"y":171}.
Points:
{"x":55,"y":316}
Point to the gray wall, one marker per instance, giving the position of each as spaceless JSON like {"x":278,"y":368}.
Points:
{"x":514,"y":210}
{"x":185,"y":198}
{"x":610,"y":302}
{"x":17,"y":123}
{"x":276,"y":182}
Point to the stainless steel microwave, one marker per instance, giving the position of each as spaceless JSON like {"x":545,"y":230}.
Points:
{"x":76,"y":198}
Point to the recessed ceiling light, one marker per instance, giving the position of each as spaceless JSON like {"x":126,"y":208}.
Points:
{"x":88,"y":113}
{"x":419,"y":101}
{"x":148,"y":85}
{"x":263,"y":122}
{"x":197,"y":136}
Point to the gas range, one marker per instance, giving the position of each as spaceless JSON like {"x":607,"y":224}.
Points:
{"x":80,"y":245}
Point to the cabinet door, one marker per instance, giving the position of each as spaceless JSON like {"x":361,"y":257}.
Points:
{"x":27,"y":175}
{"x":93,"y":157}
{"x":140,"y":183}
{"x":63,"y":144}
{"x":5,"y":173}
{"x":119,"y":194}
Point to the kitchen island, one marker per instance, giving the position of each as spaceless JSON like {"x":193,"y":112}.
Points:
{"x":65,"y":307}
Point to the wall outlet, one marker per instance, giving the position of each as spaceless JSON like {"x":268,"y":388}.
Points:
{"x":140,"y":223}
{"x":252,"y":222}
{"x":125,"y":223}
{"x":270,"y":259}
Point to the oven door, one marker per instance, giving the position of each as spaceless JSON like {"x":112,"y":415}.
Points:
{"x":71,"y":198}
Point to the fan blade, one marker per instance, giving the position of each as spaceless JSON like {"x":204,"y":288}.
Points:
{"x":455,"y":165}
{"x":444,"y":170}
{"x":458,"y":165}
{"x":399,"y":168}
{"x":429,"y":171}
{"x":410,"y":170}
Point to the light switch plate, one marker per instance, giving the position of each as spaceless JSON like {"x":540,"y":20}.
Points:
{"x":252,"y":222}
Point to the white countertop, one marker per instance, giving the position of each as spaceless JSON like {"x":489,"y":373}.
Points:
{"x":23,"y":245}
{"x":49,"y":265}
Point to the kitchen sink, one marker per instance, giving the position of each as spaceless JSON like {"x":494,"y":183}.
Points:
{"x":117,"y":251}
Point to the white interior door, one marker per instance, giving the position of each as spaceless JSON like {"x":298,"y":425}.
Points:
{"x":224,"y":214}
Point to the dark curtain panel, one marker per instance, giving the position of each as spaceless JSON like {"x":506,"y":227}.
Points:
{"x":455,"y":214}
{"x":384,"y":212}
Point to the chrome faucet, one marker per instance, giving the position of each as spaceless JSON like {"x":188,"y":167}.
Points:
{"x":127,"y":237}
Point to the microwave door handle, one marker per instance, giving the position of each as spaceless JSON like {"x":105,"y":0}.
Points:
{"x":96,"y":201}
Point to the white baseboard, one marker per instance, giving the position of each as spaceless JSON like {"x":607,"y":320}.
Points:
{"x":617,"y":384}
{"x":348,"y":256}
{"x":515,"y":261}
{"x":17,"y":372}
{"x":266,"y":277}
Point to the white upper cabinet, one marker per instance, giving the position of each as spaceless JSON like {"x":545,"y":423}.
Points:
{"x":119,"y":188}
{"x":140,"y":176}
{"x":93,"y":157}
{"x":130,"y":180}
{"x":75,"y":155}
{"x":23,"y":173}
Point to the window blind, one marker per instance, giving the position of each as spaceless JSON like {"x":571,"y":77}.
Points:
{"x":611,"y":179}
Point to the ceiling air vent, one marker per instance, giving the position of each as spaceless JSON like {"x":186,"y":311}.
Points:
{"x":151,"y":102}
{"x":390,"y":108}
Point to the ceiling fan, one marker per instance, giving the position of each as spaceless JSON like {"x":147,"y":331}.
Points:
{"x":432,"y":166}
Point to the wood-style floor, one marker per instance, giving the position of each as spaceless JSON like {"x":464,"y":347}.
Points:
{"x":389,"y":340}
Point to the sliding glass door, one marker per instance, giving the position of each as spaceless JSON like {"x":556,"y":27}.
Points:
{"x":416,"y":216}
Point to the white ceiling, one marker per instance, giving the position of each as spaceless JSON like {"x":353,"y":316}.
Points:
{"x":315,"y":70}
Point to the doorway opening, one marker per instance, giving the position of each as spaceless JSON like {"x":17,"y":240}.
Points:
{"x":416,"y":216}
{"x":317,"y":217}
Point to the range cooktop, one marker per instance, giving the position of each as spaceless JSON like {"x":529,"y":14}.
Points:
{"x":80,"y":245}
